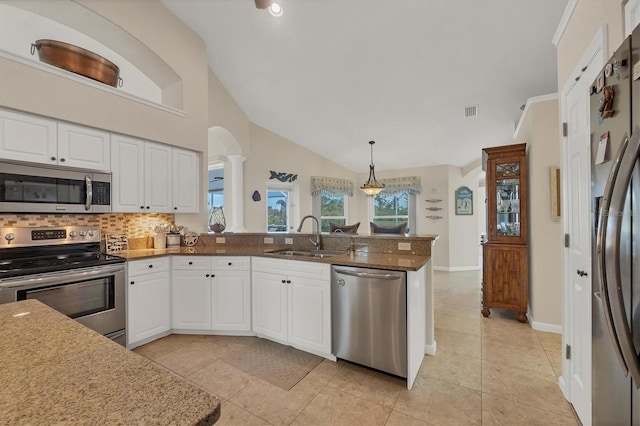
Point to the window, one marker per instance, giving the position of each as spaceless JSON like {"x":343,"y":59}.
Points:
{"x":216,"y":187}
{"x":397,"y":203}
{"x":390,"y":209}
{"x":333,"y":209}
{"x":330,"y":201}
{"x":281,"y":202}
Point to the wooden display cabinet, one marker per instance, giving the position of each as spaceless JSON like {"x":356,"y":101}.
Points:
{"x":505,"y":254}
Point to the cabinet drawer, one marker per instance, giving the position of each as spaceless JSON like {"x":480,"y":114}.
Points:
{"x":148,"y":266}
{"x":231,"y":263}
{"x":192,"y":263}
{"x":292,"y":267}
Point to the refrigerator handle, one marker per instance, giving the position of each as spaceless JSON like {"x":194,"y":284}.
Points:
{"x":609,"y":247}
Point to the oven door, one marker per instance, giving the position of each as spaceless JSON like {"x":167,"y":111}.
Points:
{"x":94,"y":297}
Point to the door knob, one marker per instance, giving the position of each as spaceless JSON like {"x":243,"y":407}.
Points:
{"x":581,"y":273}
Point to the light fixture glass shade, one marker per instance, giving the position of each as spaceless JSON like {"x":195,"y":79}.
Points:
{"x":275,"y":9}
{"x":372,"y":186}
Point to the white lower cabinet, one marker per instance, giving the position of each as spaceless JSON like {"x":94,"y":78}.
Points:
{"x":148,"y":300}
{"x":292,"y":303}
{"x":211,"y":293}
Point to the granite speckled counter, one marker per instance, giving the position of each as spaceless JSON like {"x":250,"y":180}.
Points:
{"x":393,"y":261}
{"x":55,"y":370}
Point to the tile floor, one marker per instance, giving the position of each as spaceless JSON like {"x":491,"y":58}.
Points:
{"x":488,"y":371}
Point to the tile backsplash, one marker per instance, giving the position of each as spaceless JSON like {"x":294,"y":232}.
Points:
{"x":135,"y":225}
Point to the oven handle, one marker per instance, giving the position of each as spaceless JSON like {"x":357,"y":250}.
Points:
{"x":60,"y":277}
{"x":89,"y":198}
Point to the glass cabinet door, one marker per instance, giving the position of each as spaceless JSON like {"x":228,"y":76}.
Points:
{"x":507,"y":199}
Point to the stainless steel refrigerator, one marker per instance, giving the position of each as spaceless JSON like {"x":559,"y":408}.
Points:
{"x":615,"y":192}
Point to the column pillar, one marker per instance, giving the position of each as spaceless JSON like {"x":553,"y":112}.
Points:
{"x":237,"y":193}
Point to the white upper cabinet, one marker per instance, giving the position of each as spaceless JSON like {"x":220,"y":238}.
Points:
{"x":26,"y":137}
{"x":157,"y":178}
{"x":127,"y":179}
{"x":186,"y":188}
{"x":83,"y":147}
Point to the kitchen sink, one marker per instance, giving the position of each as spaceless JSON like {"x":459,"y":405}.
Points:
{"x":303,"y":253}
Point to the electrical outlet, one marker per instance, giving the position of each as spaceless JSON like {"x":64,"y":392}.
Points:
{"x":288,"y":241}
{"x":404,"y":246}
{"x":220,"y":240}
{"x":268,"y":240}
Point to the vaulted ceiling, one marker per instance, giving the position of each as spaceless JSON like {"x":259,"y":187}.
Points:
{"x":331,"y":75}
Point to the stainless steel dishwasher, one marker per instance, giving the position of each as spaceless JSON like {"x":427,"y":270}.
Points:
{"x":369,"y":317}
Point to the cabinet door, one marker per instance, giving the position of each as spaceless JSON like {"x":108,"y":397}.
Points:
{"x":148,"y":307}
{"x":83,"y":147}
{"x":191,"y":300}
{"x":157,"y":178}
{"x":269,"y":294}
{"x":231,"y":300}
{"x":127,"y":179}
{"x":309,"y":314}
{"x":505,"y":277}
{"x":186,"y":181}
{"x":29,"y":138}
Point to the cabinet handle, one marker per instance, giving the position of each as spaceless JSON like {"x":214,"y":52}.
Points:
{"x":132,"y":282}
{"x":62,"y":160}
{"x":190,"y":263}
{"x":142,"y":207}
{"x":53,"y":158}
{"x":284,"y":281}
{"x":230,"y":263}
{"x":150,"y":266}
{"x":288,"y":281}
{"x":175,"y":208}
{"x":213,"y":275}
{"x":207,"y":275}
{"x":147,"y":207}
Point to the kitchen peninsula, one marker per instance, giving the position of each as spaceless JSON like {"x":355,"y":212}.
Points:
{"x":58,"y":371}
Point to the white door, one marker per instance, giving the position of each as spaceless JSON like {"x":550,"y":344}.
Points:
{"x":577,"y":223}
{"x":127,"y":179}
{"x":310,"y":313}
{"x":148,"y":307}
{"x":186,"y":181}
{"x":157,"y":178}
{"x":269,"y":294}
{"x":83,"y":147}
{"x":28,"y":138}
{"x":191,"y":300}
{"x":231,"y":300}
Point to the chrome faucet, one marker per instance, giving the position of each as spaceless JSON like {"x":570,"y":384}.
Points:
{"x":316,"y":243}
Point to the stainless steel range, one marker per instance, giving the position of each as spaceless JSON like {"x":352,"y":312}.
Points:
{"x":64,"y":268}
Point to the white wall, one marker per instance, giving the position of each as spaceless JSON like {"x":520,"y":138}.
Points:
{"x":539,"y":129}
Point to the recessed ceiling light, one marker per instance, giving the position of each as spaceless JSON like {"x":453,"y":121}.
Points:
{"x":275,"y":9}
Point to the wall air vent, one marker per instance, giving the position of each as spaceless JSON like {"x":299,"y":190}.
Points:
{"x":471,"y":111}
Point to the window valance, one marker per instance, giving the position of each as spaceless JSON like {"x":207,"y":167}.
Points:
{"x":394,"y":186}
{"x":331,"y":186}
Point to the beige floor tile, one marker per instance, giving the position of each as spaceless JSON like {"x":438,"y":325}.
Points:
{"x":276,"y":405}
{"x":511,"y":336}
{"x":555,"y":358}
{"x":459,"y":343}
{"x":333,"y":407}
{"x":326,"y":371}
{"x":550,"y":341}
{"x":498,"y":411}
{"x":520,"y":356}
{"x":232,"y":415}
{"x":454,"y":368}
{"x":367,"y":384}
{"x":398,"y":419}
{"x":458,"y":323}
{"x":470,"y":311}
{"x":440,"y":403}
{"x":167,"y":344}
{"x":525,"y":387}
{"x":221,"y":379}
{"x":188,"y":359}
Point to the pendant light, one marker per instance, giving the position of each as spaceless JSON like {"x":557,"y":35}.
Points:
{"x":372,"y":186}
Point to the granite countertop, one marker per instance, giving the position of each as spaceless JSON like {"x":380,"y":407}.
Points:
{"x":393,"y":261}
{"x":55,"y":370}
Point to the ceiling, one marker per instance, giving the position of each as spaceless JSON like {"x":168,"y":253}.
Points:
{"x":331,"y":75}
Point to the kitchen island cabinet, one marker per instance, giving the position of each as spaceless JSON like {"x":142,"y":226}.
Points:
{"x":57,"y":371}
{"x":292,"y":303}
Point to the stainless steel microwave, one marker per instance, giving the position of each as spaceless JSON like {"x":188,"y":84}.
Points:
{"x":38,"y":189}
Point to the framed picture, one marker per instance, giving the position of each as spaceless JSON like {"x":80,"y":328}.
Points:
{"x":464,"y":201}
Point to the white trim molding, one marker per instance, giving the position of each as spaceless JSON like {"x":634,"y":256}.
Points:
{"x":564,"y":21}
{"x":542,"y":326}
{"x":431,"y":349}
{"x":457,"y":268}
{"x":530,"y":101}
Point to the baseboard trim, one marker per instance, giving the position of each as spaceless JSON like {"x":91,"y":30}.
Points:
{"x":456,"y":268}
{"x":563,"y":389}
{"x":542,"y":326}
{"x":431,"y":349}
